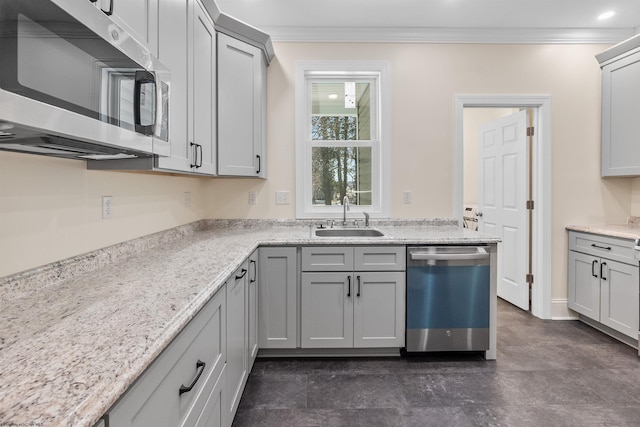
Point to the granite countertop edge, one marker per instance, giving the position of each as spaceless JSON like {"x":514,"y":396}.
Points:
{"x":623,"y":231}
{"x":175,"y":274}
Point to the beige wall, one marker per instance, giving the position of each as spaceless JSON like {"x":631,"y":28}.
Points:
{"x":50,"y":208}
{"x":424,"y":80}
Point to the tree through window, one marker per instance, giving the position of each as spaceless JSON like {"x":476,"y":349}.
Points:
{"x":340,"y":117}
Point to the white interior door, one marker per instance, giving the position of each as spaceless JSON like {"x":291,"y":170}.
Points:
{"x":502,"y":195}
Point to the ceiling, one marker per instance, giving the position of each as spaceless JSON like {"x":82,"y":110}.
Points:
{"x":447,"y":21}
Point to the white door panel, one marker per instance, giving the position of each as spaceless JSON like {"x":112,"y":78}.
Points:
{"x":502,"y":196}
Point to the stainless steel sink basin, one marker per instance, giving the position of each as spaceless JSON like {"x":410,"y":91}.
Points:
{"x":348,"y":232}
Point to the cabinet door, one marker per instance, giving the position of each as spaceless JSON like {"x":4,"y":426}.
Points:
{"x":174,"y":20}
{"x":237,"y":341}
{"x":584,"y":284}
{"x":252,"y":304}
{"x":239,"y":108}
{"x":202,"y":89}
{"x":620,"y":110}
{"x":277,"y":298}
{"x":619,"y":297}
{"x":379,"y":309}
{"x":139,"y":18}
{"x":327,"y":310}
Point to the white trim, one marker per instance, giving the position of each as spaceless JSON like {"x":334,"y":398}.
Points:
{"x":379,"y":70}
{"x":560,"y":310}
{"x":541,"y":296}
{"x":450,"y":35}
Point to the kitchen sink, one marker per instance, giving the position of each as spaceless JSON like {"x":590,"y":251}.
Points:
{"x":348,"y":232}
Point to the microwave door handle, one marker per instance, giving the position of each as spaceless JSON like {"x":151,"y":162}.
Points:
{"x":109,"y":11}
{"x":142,"y":78}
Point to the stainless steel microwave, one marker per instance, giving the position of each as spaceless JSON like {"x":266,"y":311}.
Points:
{"x":74,"y":84}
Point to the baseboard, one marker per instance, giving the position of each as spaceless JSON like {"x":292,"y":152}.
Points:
{"x":611,"y":332}
{"x":560,"y":310}
{"x":329,"y":352}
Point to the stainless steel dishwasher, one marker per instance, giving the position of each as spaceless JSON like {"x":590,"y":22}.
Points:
{"x":448,"y":298}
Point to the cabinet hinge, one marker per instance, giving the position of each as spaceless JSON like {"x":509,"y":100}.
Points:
{"x":530,"y":279}
{"x":530,"y":204}
{"x":530,"y":131}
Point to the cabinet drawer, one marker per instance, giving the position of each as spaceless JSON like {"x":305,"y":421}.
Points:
{"x":602,"y":246}
{"x":327,"y":258}
{"x":380,"y":258}
{"x":209,"y":409}
{"x":154,"y":399}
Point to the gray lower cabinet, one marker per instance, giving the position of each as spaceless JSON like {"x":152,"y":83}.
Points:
{"x":345,"y":306}
{"x":211,"y":413}
{"x":237,"y":338}
{"x":182,"y":386}
{"x":277,"y":297}
{"x":252,"y":306}
{"x":603,"y":281}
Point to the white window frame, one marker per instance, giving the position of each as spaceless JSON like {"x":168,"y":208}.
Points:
{"x":380,"y":143}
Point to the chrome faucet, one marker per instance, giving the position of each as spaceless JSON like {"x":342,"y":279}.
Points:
{"x":366,"y":219}
{"x":345,"y":208}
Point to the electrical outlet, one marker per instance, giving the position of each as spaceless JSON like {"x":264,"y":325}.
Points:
{"x":107,"y":207}
{"x":187,"y":199}
{"x":406,"y":197}
{"x":253,"y":197}
{"x":282,"y":197}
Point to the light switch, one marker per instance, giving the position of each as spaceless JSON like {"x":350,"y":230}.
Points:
{"x":406,"y":197}
{"x":282,"y":197}
{"x":253,"y":197}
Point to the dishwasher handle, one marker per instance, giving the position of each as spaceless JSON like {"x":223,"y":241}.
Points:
{"x":434,"y":256}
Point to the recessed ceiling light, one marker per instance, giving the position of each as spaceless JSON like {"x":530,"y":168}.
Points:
{"x":333,"y":96}
{"x":606,"y":15}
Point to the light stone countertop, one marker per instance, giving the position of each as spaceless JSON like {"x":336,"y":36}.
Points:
{"x":624,"y":231}
{"x":70,"y":348}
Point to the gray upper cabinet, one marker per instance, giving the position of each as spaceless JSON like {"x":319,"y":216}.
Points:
{"x":202,"y":91}
{"x":241,"y":108}
{"x":621,"y":109}
{"x":187,"y":46}
{"x":218,"y":99}
{"x":137,"y":17}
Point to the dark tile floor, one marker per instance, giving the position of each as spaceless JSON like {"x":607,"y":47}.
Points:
{"x":547,"y":373}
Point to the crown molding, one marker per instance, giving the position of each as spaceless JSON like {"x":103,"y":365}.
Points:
{"x":450,"y":35}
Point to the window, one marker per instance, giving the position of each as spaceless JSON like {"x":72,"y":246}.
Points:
{"x":342,"y":139}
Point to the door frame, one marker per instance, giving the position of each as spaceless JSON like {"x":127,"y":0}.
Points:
{"x":541,"y":166}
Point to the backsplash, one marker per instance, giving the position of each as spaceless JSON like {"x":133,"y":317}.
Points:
{"x":633,"y":220}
